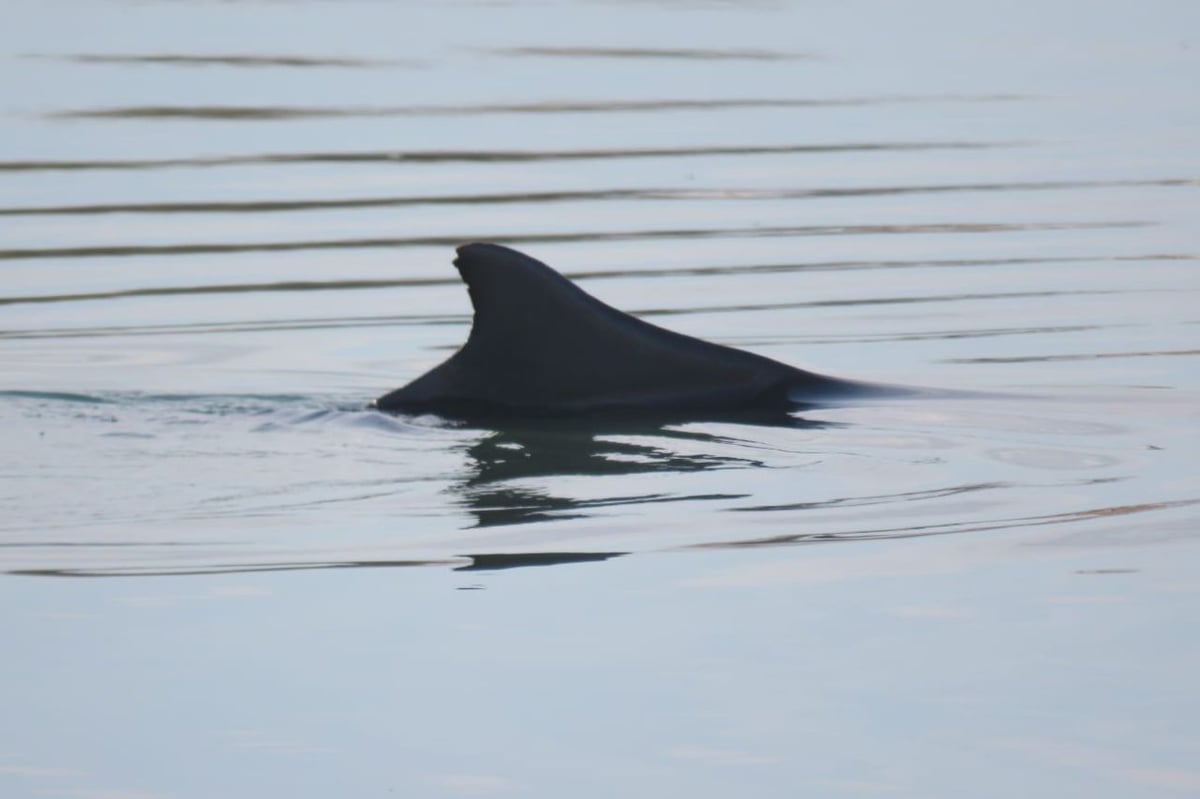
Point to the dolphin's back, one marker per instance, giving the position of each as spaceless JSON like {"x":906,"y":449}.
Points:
{"x":541,"y":344}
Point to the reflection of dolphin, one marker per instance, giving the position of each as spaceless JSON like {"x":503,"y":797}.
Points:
{"x":513,"y":471}
{"x":504,"y":560}
{"x":541,"y":346}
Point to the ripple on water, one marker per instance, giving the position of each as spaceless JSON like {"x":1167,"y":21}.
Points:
{"x":1042,"y":458}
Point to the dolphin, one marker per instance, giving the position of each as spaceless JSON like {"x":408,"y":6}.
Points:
{"x":541,"y":346}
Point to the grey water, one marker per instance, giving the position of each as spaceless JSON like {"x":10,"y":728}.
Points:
{"x":225,"y":227}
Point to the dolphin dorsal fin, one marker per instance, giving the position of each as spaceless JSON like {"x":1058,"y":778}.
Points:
{"x":539,"y":343}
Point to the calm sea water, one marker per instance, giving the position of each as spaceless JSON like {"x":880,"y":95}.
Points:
{"x":224,"y":228}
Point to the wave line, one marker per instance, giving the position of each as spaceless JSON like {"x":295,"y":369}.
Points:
{"x":494,"y":156}
{"x":284,"y":112}
{"x":132,"y":250}
{"x":602,"y":195}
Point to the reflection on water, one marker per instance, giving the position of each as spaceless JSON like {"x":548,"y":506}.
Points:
{"x":508,"y":469}
{"x":166,"y":464}
{"x":497,"y":561}
{"x":225,"y":227}
{"x":493,"y":561}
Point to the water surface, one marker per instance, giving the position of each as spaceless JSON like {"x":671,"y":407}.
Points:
{"x":225,"y":228}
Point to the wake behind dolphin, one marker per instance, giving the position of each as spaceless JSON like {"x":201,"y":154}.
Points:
{"x":540,"y":345}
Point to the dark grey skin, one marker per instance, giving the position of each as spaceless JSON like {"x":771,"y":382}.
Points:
{"x":541,"y":346}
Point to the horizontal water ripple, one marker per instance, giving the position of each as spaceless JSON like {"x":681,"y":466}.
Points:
{"x":235,"y":288}
{"x":534,"y":558}
{"x":56,"y":396}
{"x":534,"y":238}
{"x":949,"y":528}
{"x":193,"y":328}
{"x":283,"y":112}
{"x":868,"y":301}
{"x":427,"y":319}
{"x":885,"y":499}
{"x":598,"y":195}
{"x":231,"y":568}
{"x":1081,"y":356}
{"x":647,"y":272}
{"x":973,"y":333}
{"x":681,"y":53}
{"x":226,"y":60}
{"x":494,"y":156}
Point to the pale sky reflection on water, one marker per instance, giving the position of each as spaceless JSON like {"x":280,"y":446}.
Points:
{"x":225,"y":227}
